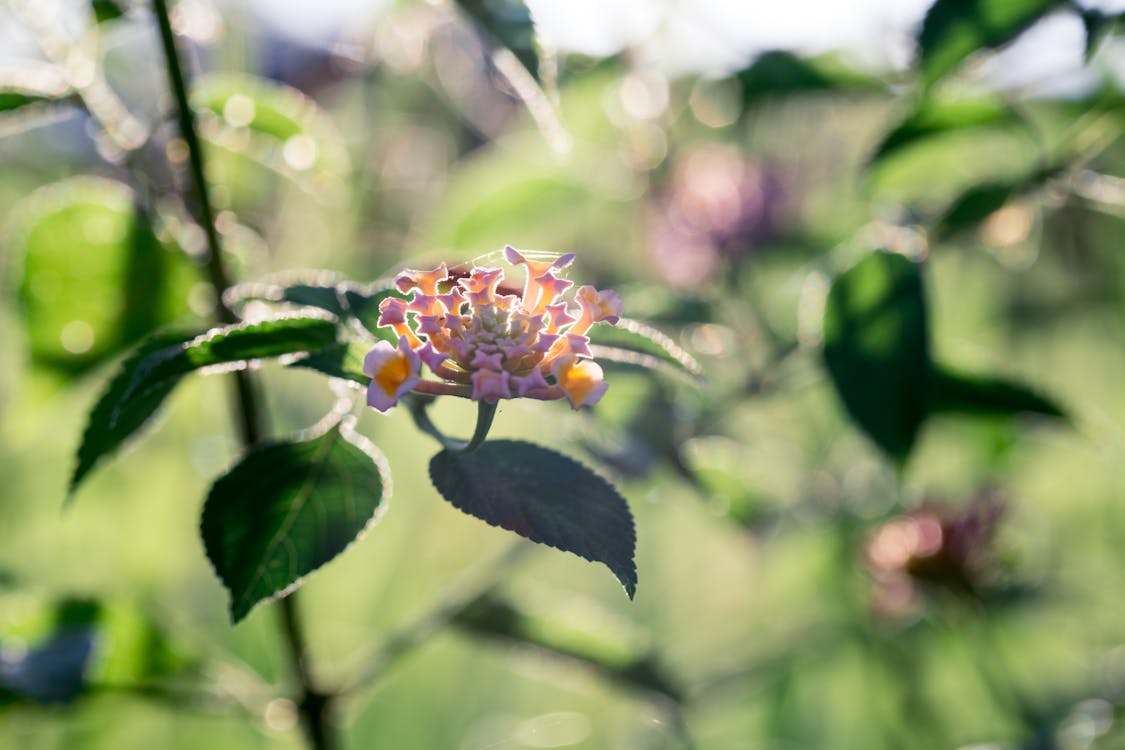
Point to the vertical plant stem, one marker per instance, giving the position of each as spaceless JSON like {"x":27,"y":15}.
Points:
{"x":314,"y":705}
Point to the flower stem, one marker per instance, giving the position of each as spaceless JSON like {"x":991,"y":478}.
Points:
{"x":485,"y":413}
{"x":314,"y":705}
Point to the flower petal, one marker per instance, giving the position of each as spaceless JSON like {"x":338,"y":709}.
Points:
{"x":490,"y":385}
{"x":582,"y":380}
{"x":393,"y":371}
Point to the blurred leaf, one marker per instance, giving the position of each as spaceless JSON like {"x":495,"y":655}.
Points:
{"x":619,"y":655}
{"x":981,"y":201}
{"x":288,"y":508}
{"x":276,"y":126}
{"x":632,"y":336}
{"x":29,"y":83}
{"x":543,"y":496}
{"x":53,"y":671}
{"x":508,"y":23}
{"x":876,"y":348}
{"x":106,"y":10}
{"x":150,"y":375}
{"x":934,"y":118}
{"x":339,"y":361}
{"x":779,"y":73}
{"x":95,"y":278}
{"x":1098,"y":26}
{"x":954,"y":29}
{"x":10,"y":100}
{"x":957,"y":392}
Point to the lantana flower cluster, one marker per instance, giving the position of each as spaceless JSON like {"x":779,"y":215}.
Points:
{"x":481,"y":343}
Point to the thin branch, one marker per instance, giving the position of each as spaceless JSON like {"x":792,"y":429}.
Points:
{"x":460,"y":596}
{"x":313,"y":704}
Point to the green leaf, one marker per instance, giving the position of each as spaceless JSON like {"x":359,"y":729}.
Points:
{"x":628,"y":338}
{"x":778,"y":73}
{"x":286,"y":333}
{"x":954,"y":29}
{"x":935,"y":118}
{"x":339,"y":361}
{"x":1098,"y":26}
{"x":323,"y":290}
{"x":543,"y":496}
{"x":117,"y":416}
{"x":980,"y":201}
{"x":507,"y":23}
{"x":595,"y":640}
{"x":876,"y":348}
{"x":95,"y":278}
{"x":150,"y":375}
{"x":274,"y":125}
{"x":31,"y":83}
{"x":106,"y":10}
{"x":288,"y":508}
{"x":962,"y":393}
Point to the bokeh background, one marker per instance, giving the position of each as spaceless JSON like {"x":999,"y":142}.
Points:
{"x":719,"y":164}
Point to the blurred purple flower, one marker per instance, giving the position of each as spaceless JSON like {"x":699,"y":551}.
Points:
{"x":718,"y":207}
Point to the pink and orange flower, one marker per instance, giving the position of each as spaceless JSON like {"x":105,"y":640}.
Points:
{"x":487,"y":345}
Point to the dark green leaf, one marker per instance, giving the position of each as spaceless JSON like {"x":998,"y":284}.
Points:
{"x":269,"y":337}
{"x":876,"y":348}
{"x":31,"y":83}
{"x":628,"y":338}
{"x":507,"y":23}
{"x":543,"y":496}
{"x":954,"y":29}
{"x":116,"y":416}
{"x":10,"y":100}
{"x":614,"y":652}
{"x":148,"y":377}
{"x":322,"y":290}
{"x":339,"y":361}
{"x":779,"y":73}
{"x":288,"y":508}
{"x":980,"y":201}
{"x":962,"y":393}
{"x":933,"y":118}
{"x":95,"y":278}
{"x":363,"y":306}
{"x":1099,"y":25}
{"x":106,"y":10}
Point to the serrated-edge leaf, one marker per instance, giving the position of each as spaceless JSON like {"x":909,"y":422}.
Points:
{"x":343,"y":361}
{"x":324,"y":290}
{"x":280,"y":334}
{"x":107,"y":411}
{"x":629,"y":335}
{"x":241,"y":603}
{"x":627,"y":575}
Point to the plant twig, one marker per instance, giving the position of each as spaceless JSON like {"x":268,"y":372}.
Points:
{"x":314,"y":705}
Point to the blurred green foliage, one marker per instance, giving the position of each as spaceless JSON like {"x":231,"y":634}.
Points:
{"x":841,"y":255}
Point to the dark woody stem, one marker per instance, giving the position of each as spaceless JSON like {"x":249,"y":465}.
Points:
{"x":314,"y":705}
{"x":485,"y":413}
